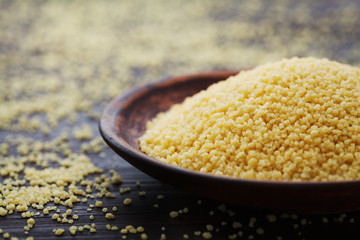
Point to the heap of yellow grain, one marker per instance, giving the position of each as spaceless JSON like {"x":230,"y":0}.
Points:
{"x":297,"y":119}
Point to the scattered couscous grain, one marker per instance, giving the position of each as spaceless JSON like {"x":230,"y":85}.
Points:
{"x":3,"y":211}
{"x":59,"y":231}
{"x":125,"y":189}
{"x":295,"y":119}
{"x":73,"y":230}
{"x":30,"y":221}
{"x":127,"y":201}
{"x":260,"y":231}
{"x":236,"y":225}
{"x":252,"y":221}
{"x":232,"y":236}
{"x":46,"y":211}
{"x":303,"y":221}
{"x":116,"y":178}
{"x":64,"y":220}
{"x":84,"y":132}
{"x":109,"y":216}
{"x":271,"y":218}
{"x":206,"y":235}
{"x":209,"y":227}
{"x":159,"y":196}
{"x":174,"y":214}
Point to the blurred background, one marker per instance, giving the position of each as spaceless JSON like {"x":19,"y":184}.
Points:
{"x":107,"y":46}
{"x":62,"y":61}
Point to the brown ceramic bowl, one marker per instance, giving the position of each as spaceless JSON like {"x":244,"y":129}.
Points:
{"x":124,"y":120}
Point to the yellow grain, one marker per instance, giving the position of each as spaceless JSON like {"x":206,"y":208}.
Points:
{"x":59,"y":231}
{"x":110,"y":216}
{"x":295,"y":119}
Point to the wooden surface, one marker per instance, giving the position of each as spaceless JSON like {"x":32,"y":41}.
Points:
{"x":20,"y":57}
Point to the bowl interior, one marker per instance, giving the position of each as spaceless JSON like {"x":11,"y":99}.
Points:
{"x":149,"y":100}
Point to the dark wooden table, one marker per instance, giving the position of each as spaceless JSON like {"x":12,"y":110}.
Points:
{"x":333,"y":29}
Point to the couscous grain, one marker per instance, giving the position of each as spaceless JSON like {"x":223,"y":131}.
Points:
{"x":127,"y":201}
{"x":109,"y":216}
{"x":59,"y":232}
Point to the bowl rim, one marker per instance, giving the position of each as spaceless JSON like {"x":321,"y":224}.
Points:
{"x":118,"y":144}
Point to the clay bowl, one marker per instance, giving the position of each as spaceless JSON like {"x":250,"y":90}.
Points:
{"x":123,"y":122}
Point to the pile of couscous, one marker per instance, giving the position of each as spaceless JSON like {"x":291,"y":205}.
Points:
{"x":296,"y":119}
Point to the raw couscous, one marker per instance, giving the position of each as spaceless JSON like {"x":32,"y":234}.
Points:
{"x":296,"y":119}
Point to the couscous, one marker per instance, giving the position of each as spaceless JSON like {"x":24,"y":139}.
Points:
{"x":296,"y":119}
